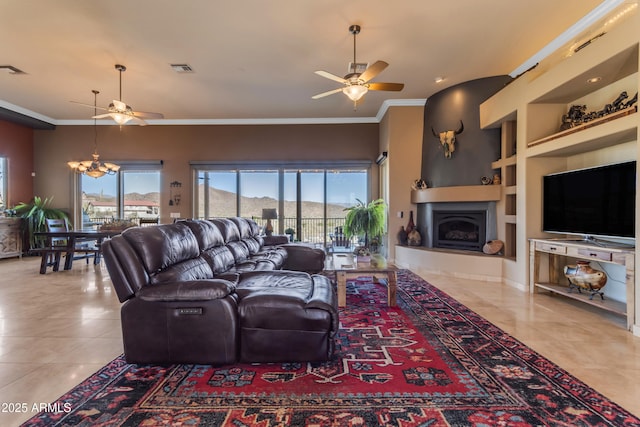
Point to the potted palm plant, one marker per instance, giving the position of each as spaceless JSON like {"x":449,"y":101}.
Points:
{"x":35,"y":214}
{"x":367,"y":220}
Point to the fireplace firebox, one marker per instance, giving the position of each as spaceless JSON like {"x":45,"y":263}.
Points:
{"x":465,"y":230}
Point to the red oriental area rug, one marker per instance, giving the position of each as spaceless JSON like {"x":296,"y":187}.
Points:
{"x":430,"y":361}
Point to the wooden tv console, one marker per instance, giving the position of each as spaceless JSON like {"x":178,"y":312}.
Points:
{"x":557,"y":253}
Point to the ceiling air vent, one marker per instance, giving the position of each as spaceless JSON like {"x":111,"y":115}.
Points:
{"x":11,"y":69}
{"x":182,"y":68}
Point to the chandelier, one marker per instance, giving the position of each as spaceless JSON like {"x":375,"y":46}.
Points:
{"x":94,"y":168}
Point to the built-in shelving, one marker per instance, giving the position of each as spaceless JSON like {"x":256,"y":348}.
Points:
{"x":609,"y":134}
{"x":587,"y":125}
{"x":506,"y":167}
{"x":530,"y":113}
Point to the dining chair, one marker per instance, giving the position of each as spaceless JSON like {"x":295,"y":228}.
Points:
{"x":87,"y":248}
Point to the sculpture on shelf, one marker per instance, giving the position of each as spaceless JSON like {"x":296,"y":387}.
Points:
{"x":577,"y":114}
{"x":630,"y":102}
{"x":573,"y":117}
{"x":583,"y":276}
{"x":419,"y":184}
{"x":448,"y":139}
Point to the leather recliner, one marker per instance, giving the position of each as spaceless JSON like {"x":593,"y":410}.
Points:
{"x":211,"y":292}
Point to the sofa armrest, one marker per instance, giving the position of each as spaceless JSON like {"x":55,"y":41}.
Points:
{"x":324,"y":297}
{"x":275,"y":240}
{"x":189,"y":290}
{"x":303,"y":258}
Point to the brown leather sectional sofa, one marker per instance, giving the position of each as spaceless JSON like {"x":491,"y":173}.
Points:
{"x":212,"y":292}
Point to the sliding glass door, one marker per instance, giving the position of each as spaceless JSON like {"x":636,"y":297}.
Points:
{"x":309,"y":202}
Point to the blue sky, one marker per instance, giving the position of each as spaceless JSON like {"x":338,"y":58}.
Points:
{"x":137,"y":183}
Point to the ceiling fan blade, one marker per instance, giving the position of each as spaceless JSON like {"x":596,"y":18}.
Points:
{"x":330,"y":76}
{"x":147,"y":115}
{"x":323,"y":94}
{"x":386,"y":86}
{"x":102,"y":116}
{"x":137,"y":121}
{"x":88,"y":105}
{"x":373,"y":71}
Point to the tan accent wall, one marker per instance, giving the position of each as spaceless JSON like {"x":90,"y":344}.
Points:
{"x":401,"y":133}
{"x":16,"y":143}
{"x":176,"y":146}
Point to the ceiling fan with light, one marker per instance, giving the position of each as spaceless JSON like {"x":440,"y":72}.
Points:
{"x":120,"y":112}
{"x":356,"y":84}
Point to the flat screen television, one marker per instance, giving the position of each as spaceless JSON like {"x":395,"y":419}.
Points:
{"x":597,"y":201}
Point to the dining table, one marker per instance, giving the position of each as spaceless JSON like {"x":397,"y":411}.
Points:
{"x":71,"y":239}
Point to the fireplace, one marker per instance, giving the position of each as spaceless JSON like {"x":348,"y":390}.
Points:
{"x":463,"y":226}
{"x":464,"y":230}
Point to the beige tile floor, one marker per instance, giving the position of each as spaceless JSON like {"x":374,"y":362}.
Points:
{"x":57,"y":329}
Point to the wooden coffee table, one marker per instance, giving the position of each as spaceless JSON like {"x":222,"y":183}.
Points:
{"x":345,"y":266}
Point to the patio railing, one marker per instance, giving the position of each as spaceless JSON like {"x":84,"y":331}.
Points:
{"x":311,"y":230}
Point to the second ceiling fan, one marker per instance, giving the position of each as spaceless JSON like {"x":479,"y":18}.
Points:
{"x":122,"y":113}
{"x":357,"y":84}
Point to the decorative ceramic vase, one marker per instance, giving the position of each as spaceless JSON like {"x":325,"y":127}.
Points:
{"x":410,"y":225}
{"x":583,"y":276}
{"x":402,"y":236}
{"x":493,"y":247}
{"x":363,"y":259}
{"x":414,"y":238}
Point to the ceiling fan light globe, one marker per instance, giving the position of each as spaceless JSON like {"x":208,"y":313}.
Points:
{"x":120,"y":119}
{"x":73,"y":165}
{"x":355,"y":92}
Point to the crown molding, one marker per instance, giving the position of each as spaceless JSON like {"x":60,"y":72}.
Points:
{"x":275,"y":121}
{"x":419,"y":102}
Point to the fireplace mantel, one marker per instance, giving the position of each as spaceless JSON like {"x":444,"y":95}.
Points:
{"x":461,"y":193}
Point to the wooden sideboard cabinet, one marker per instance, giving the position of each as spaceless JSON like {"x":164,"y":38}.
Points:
{"x":555,"y":254}
{"x":10,"y":237}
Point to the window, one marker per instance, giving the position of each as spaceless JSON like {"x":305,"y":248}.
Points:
{"x":309,"y":202}
{"x":132,"y":193}
{"x":217,"y":193}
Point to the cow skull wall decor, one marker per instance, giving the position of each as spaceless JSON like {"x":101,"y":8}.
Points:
{"x":448,"y":139}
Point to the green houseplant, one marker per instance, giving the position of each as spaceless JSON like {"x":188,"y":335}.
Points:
{"x":366,"y":220}
{"x":35,"y":214}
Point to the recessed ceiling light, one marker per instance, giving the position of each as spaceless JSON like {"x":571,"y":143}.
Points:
{"x":438,"y":79}
{"x":594,"y":79}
